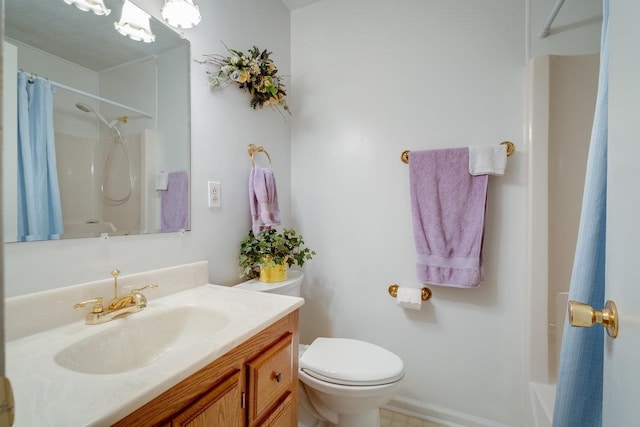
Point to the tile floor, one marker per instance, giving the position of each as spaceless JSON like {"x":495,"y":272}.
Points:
{"x":394,"y":419}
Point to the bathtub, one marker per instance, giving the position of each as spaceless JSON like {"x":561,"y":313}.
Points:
{"x":87,"y":229}
{"x":543,"y":398}
{"x":543,"y":395}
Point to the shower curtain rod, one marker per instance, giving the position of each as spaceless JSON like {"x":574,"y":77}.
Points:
{"x":554,"y":12}
{"x":99,"y":98}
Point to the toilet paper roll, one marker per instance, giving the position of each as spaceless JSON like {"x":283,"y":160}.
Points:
{"x":410,"y":298}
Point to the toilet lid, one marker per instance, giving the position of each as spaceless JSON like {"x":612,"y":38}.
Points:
{"x":351,"y":362}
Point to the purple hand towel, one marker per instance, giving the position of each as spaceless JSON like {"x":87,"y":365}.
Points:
{"x":448,"y":207}
{"x":263,"y":199}
{"x":174,"y":210}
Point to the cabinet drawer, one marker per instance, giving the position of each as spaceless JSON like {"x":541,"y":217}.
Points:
{"x":281,"y":416}
{"x":270,"y":376}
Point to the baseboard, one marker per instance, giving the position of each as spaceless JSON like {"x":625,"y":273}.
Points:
{"x":437,"y":414}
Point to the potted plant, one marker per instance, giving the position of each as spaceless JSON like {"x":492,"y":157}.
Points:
{"x":268,"y":254}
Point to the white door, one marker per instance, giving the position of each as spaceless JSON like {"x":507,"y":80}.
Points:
{"x":621,"y":406}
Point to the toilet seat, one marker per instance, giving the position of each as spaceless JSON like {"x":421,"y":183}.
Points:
{"x":351,"y":362}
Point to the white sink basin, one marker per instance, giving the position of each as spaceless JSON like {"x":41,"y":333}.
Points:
{"x":138,"y":341}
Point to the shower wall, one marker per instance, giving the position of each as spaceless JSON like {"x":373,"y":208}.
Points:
{"x":573,"y":83}
{"x":126,"y":216}
{"x":561,"y":92}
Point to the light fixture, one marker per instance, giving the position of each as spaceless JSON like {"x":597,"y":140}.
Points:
{"x":181,"y":13}
{"x":134,"y":23}
{"x":95,"y":6}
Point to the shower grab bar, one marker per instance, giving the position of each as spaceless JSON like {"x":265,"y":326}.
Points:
{"x":511,"y":148}
{"x":253,"y":149}
{"x":554,"y":12}
{"x":99,"y":98}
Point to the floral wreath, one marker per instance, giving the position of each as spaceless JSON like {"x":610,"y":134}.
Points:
{"x":253,"y":71}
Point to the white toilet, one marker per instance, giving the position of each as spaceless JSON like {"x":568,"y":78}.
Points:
{"x":343,"y":382}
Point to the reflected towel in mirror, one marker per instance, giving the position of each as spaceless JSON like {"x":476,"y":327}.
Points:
{"x":175,"y":203}
{"x":162,"y":181}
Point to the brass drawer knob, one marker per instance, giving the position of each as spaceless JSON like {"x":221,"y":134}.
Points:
{"x":278,"y":376}
{"x":584,"y":316}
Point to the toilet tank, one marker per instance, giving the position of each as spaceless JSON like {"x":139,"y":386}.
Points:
{"x":291,"y":286}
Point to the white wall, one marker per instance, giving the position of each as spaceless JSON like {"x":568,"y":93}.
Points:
{"x":223,"y":125}
{"x":371,"y":79}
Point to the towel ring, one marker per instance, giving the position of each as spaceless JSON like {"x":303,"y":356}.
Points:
{"x":253,"y":149}
{"x":511,"y":148}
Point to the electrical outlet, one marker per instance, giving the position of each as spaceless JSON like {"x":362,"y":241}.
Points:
{"x":213,"y":194}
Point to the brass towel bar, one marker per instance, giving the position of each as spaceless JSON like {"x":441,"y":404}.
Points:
{"x":253,"y":149}
{"x":511,"y":148}
{"x":426,"y":292}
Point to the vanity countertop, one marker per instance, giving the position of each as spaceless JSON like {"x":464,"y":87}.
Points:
{"x":47,"y":394}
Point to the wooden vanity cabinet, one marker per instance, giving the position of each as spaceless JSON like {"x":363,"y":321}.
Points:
{"x":254,"y":384}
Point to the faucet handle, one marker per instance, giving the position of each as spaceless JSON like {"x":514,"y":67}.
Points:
{"x":134,"y":290}
{"x":115,"y":273}
{"x":97,"y":305}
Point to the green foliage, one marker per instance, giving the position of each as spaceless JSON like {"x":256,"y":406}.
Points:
{"x":270,"y":248}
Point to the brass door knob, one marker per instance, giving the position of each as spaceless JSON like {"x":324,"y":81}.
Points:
{"x":584,"y":316}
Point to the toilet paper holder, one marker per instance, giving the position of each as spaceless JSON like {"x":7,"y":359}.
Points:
{"x":426,"y":292}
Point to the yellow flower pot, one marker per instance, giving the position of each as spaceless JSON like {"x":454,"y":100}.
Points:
{"x":278,"y":273}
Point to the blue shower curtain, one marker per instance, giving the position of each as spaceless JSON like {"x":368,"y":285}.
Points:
{"x":39,"y":208}
{"x":579,"y":391}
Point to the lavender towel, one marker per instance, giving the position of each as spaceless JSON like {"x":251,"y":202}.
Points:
{"x":448,"y":206}
{"x":263,"y":199}
{"x":174,"y":209}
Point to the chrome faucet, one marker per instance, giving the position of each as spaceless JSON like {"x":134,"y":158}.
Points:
{"x":118,"y":307}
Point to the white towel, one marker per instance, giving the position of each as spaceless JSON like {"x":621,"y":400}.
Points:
{"x":162,"y":181}
{"x":487,"y":159}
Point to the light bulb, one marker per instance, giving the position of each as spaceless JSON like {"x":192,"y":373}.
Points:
{"x":181,"y":13}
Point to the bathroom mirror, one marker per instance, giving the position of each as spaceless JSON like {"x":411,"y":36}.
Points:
{"x":108,"y":88}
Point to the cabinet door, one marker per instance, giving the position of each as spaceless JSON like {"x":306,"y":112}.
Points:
{"x":270,"y":376}
{"x":219,"y":407}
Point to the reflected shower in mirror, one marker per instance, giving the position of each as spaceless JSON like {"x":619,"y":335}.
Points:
{"x":121,"y":119}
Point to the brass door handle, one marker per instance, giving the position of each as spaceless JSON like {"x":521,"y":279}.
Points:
{"x":584,"y":316}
